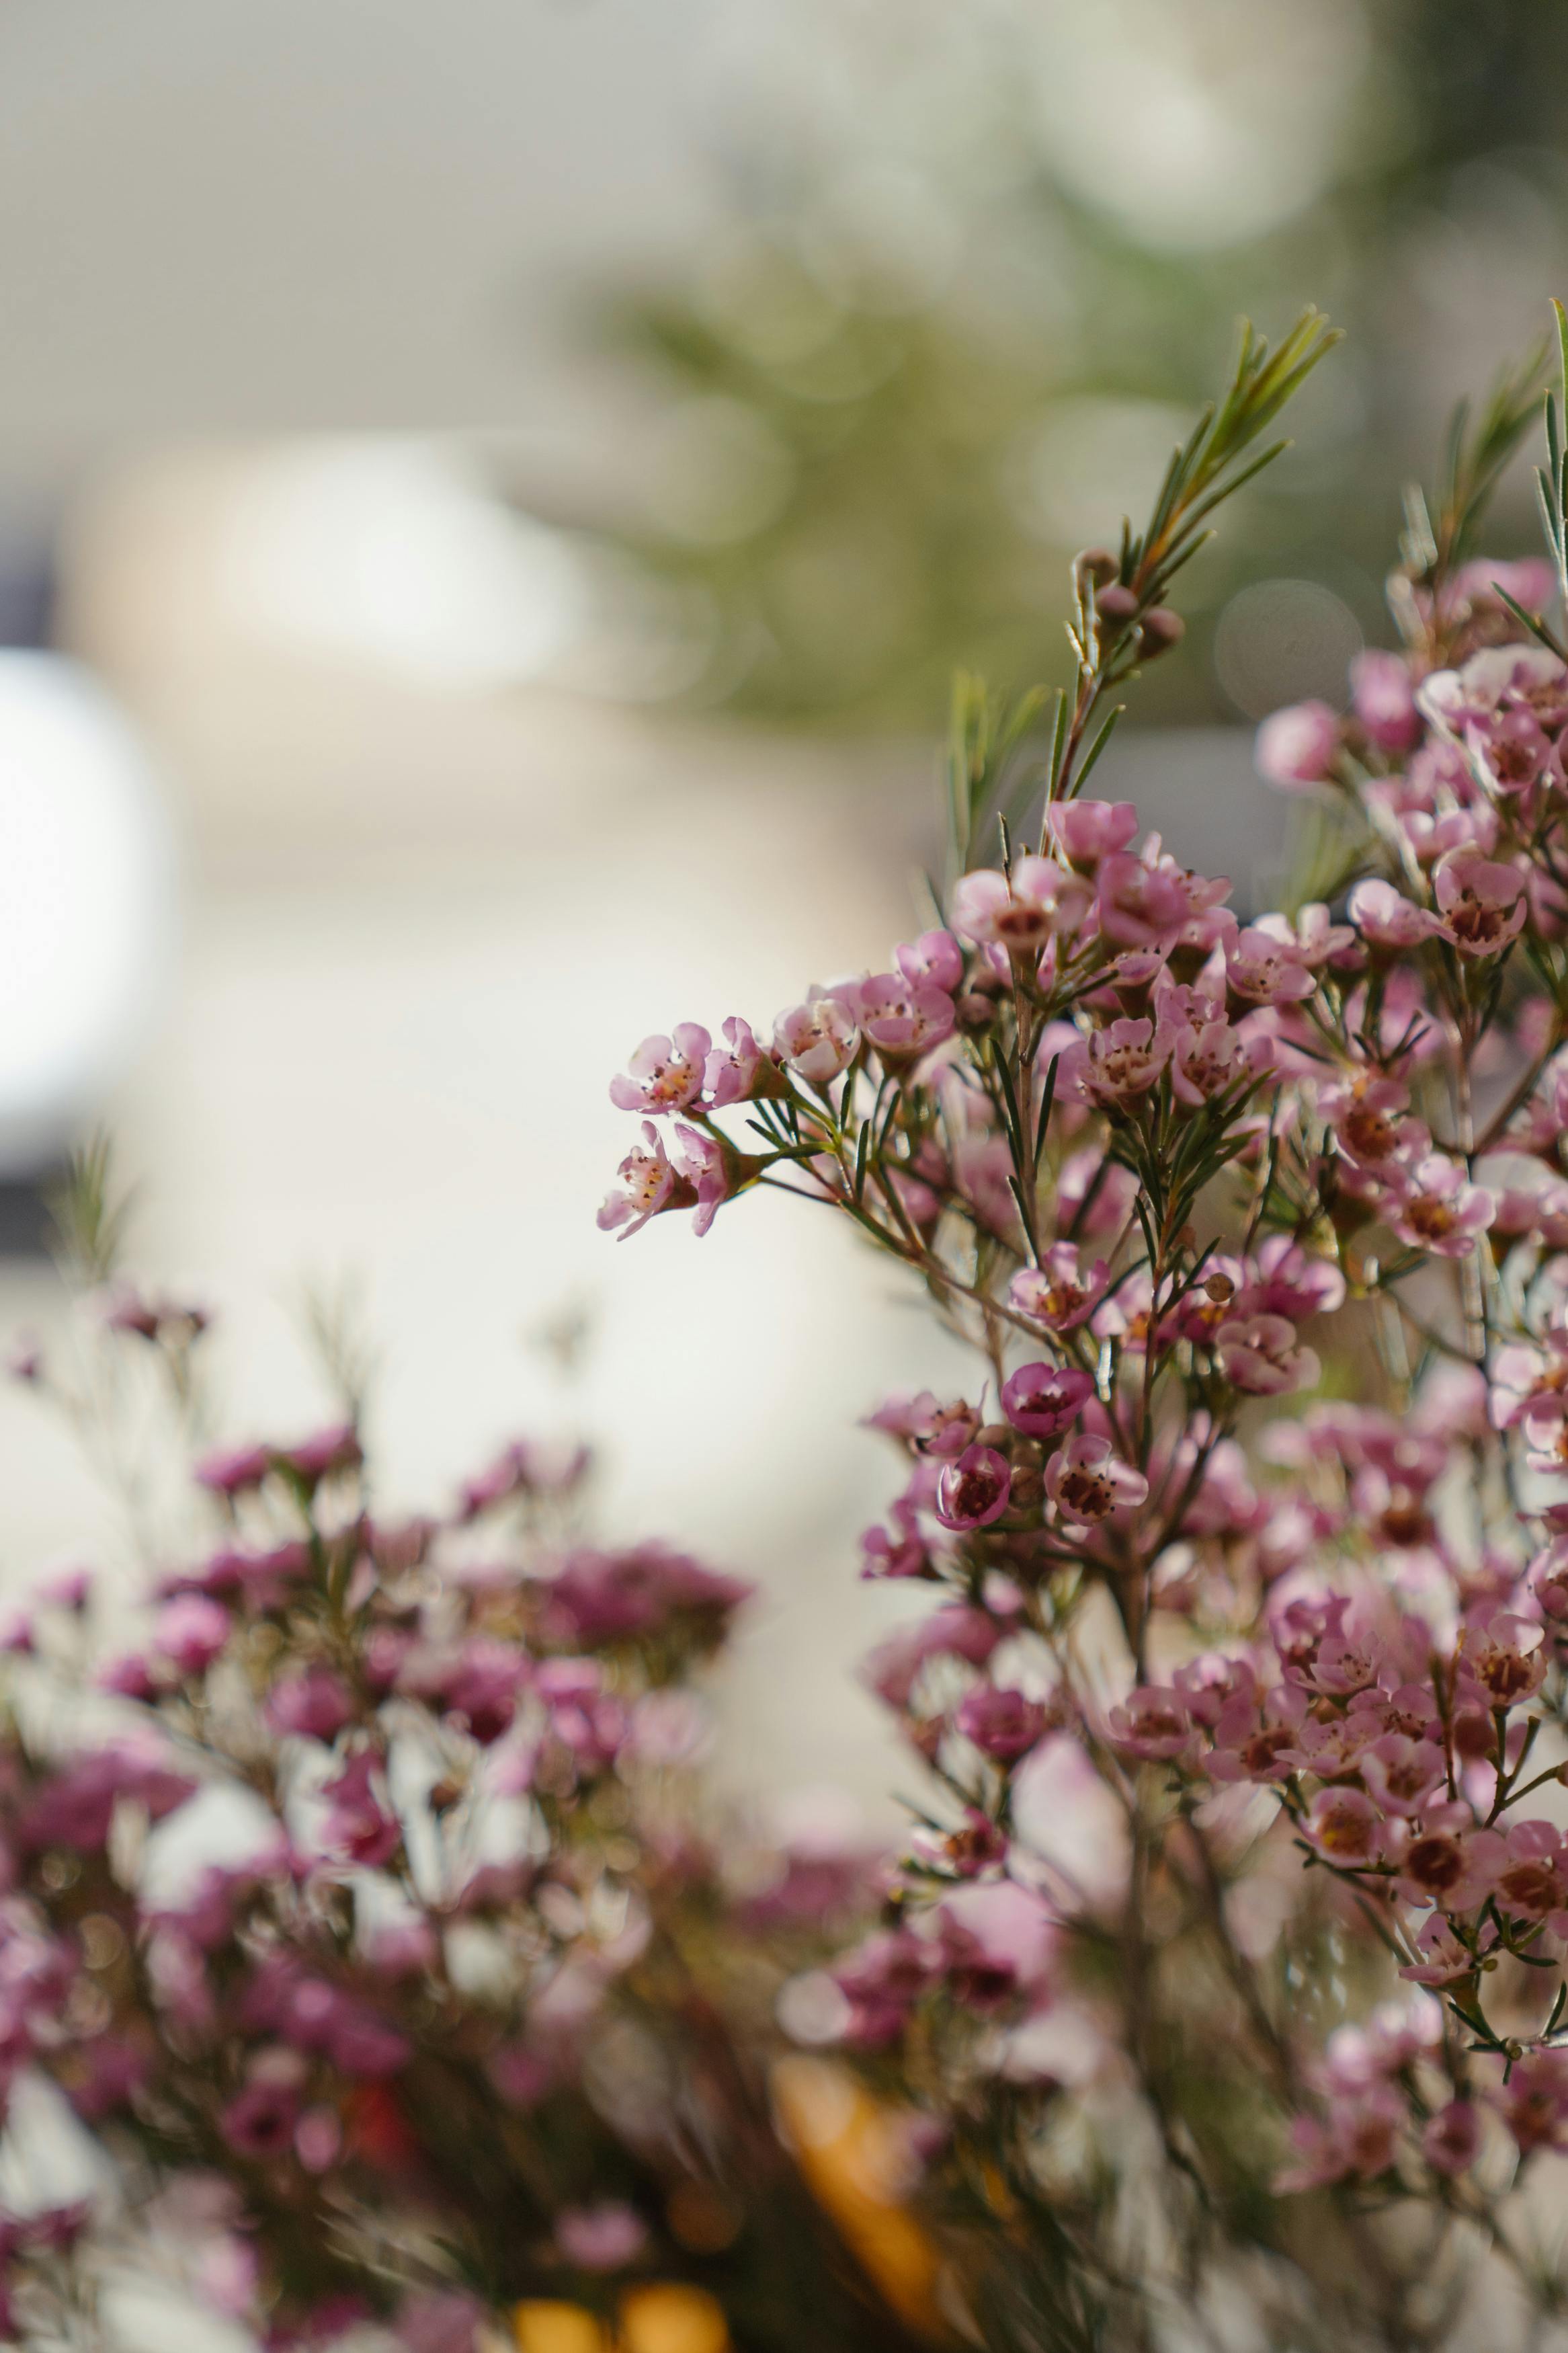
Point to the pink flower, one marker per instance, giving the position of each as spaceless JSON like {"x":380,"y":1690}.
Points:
{"x":1043,"y":1400}
{"x":1369,"y":1126}
{"x":1504,"y":1655}
{"x":358,"y":1824}
{"x":1141,"y":905}
{"x":1531,"y":1881}
{"x":1482,"y":905}
{"x":1085,"y":831}
{"x":1021,"y":910}
{"x":1283,"y":1278}
{"x":973,"y":1491}
{"x":1153,"y":1722}
{"x":1451,"y":1868}
{"x":1383,"y":700}
{"x":1400,"y":1773}
{"x":259,"y":2121}
{"x":1445,"y":1961}
{"x":1002,"y":1723}
{"x":1116,"y":1063}
{"x":646,"y":1183}
{"x":1260,"y":1355}
{"x":996,"y":1940}
{"x":920,"y":1421}
{"x":706,"y":1166}
{"x":664,"y":1074}
{"x":1267,"y":970}
{"x":234,"y":1468}
{"x":1207,"y":1062}
{"x":1094,"y":1196}
{"x":1387,"y":920}
{"x":1533,"y":2102}
{"x":935,"y":958}
{"x":730,"y":1072}
{"x":817,"y":1039}
{"x":1443,"y":1212}
{"x":1057,"y":1292}
{"x":190,"y":1632}
{"x":1530,"y":580}
{"x":314,"y":1704}
{"x":901,"y":1018}
{"x":603,"y":2238}
{"x":1086,"y":1483}
{"x":1297,"y":746}
{"x":955,"y":1632}
{"x":1345,"y":1827}
{"x":1358,"y":2139}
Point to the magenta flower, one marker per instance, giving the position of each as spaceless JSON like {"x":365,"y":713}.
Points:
{"x":1086,"y":1483}
{"x":1043,"y":1400}
{"x":314,"y":1703}
{"x":190,"y":1632}
{"x":665,"y":1073}
{"x":1261,"y":1356}
{"x":647,"y":1181}
{"x":359,"y":1824}
{"x":818,"y":1038}
{"x":1442,"y":1212}
{"x":259,"y":2121}
{"x":1001,"y":1723}
{"x":973,"y":1491}
{"x":1482,"y":905}
{"x":234,"y":1469}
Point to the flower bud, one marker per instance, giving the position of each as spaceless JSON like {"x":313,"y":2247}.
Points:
{"x":1096,"y":563}
{"x":1116,"y":603}
{"x":1162,"y":630}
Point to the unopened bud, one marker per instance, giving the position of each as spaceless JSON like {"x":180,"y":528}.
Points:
{"x":1220,"y":1290}
{"x":1116,"y":603}
{"x":1162,"y":629}
{"x":1096,"y":563}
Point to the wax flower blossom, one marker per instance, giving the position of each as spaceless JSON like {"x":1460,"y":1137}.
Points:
{"x":331,"y":1906}
{"x":1246,"y":1545}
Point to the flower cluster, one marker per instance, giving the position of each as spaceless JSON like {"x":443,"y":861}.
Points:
{"x":1245,"y":1694}
{"x":356,"y":1906}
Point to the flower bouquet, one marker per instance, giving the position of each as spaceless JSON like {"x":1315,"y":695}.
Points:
{"x":1225,"y":1956}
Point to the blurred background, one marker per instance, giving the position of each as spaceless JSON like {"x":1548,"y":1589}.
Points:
{"x":490,"y":497}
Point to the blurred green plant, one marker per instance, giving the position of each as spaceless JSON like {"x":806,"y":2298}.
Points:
{"x":932,"y":330}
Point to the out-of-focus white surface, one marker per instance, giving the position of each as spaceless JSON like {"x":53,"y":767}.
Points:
{"x":86,"y":900}
{"x":424,"y":929}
